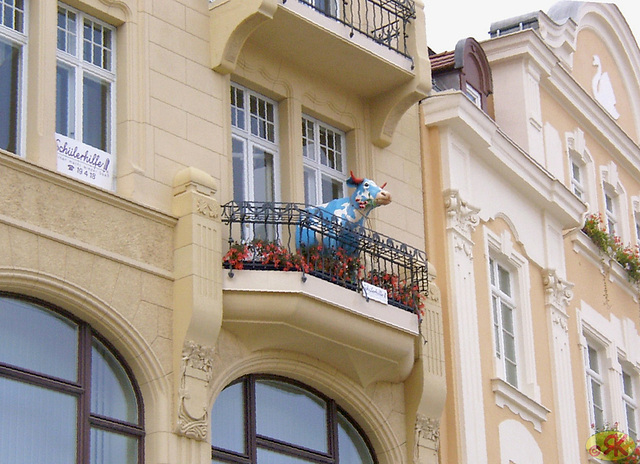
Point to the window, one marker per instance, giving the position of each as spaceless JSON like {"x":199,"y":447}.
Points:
{"x":503,"y":307}
{"x":595,"y":386}
{"x":66,"y":397}
{"x":272,"y":420}
{"x":254,"y":142}
{"x":85,"y":79}
{"x":13,"y":39}
{"x":610,"y":204}
{"x":324,"y":162}
{"x":630,"y":405}
{"x":328,"y":7}
{"x":473,"y":95}
{"x":577,"y":179}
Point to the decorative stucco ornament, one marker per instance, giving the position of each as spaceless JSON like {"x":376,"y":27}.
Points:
{"x":603,"y":90}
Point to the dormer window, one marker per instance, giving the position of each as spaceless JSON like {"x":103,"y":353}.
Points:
{"x":466,"y":69}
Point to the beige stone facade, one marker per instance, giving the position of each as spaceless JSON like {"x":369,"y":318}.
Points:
{"x":139,"y":258}
{"x":541,"y":324}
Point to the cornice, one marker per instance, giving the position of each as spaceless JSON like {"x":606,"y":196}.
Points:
{"x":454,"y":111}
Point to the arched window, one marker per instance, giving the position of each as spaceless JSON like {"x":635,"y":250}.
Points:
{"x":64,"y":395}
{"x":272,"y":420}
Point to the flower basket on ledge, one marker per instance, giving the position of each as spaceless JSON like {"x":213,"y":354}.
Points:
{"x":611,"y":245}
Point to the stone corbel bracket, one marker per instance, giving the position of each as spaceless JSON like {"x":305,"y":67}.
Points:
{"x":425,"y":389}
{"x":231,"y":25}
{"x":197,"y":295}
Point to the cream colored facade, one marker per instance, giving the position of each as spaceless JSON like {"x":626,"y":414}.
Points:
{"x":511,"y":194}
{"x":141,"y":262}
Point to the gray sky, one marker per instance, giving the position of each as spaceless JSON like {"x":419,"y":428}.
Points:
{"x":451,"y":20}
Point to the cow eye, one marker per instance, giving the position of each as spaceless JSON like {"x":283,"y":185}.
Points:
{"x":366,"y":185}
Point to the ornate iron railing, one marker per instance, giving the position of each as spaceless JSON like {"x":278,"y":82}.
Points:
{"x":287,"y":237}
{"x":384,"y":21}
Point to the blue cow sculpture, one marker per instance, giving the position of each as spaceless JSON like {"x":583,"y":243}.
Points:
{"x":336,"y":221}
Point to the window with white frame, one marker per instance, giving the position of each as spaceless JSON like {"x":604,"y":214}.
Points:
{"x":13,"y":40}
{"x":630,"y":402}
{"x":254,"y":143}
{"x":595,"y":385}
{"x":328,"y":7}
{"x":504,"y":332}
{"x":636,"y":222}
{"x":577,"y":178}
{"x":611,"y":211}
{"x":473,"y":95}
{"x":324,"y":161}
{"x":85,"y":78}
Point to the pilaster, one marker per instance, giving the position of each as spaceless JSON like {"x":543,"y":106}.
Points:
{"x":462,"y":220}
{"x":425,"y":389}
{"x":197,"y":296}
{"x":558,"y":295}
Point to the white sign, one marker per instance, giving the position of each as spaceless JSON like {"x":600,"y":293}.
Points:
{"x":374,"y":293}
{"x":84,"y":162}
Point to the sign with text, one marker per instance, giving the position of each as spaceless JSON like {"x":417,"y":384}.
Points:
{"x":374,"y":293}
{"x":84,"y":162}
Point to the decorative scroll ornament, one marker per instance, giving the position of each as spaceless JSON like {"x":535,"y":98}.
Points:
{"x":558,"y":292}
{"x":461,"y":216}
{"x":193,"y":415}
{"x":426,"y":428}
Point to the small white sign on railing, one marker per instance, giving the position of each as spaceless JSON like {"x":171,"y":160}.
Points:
{"x":84,"y":162}
{"x":374,"y":293}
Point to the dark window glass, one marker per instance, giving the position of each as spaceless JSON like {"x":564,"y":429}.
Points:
{"x":95,"y":112}
{"x":42,"y":390}
{"x":9,"y":85}
{"x":272,"y":420}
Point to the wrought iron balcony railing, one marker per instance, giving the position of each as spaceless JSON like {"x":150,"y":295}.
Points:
{"x":384,"y":21}
{"x":269,"y":236}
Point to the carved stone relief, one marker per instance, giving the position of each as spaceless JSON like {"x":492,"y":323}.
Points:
{"x":427,"y":430}
{"x":461,"y":216}
{"x":196,"y":374}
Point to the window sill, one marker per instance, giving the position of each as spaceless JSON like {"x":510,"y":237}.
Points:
{"x":519,"y":403}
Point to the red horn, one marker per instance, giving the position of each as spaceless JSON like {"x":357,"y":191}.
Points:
{"x":355,"y":180}
{"x":383,"y":186}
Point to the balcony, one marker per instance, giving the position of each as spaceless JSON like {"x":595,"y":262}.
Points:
{"x":375,"y":49}
{"x":384,"y":21}
{"x":352,"y":301}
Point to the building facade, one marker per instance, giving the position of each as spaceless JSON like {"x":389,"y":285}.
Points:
{"x":535,"y":189}
{"x":139,"y":143}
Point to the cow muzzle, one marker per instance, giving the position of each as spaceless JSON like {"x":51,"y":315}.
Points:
{"x":383,"y":198}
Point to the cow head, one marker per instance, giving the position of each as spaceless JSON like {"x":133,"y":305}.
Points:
{"x":368,"y":194}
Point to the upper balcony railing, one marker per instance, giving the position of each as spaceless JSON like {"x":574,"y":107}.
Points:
{"x":384,"y":21}
{"x":268,"y":236}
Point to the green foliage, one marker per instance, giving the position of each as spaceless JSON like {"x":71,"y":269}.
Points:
{"x":627,"y":256}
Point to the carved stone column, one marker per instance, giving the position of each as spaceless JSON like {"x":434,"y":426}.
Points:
{"x":558,"y":294}
{"x":197,"y":296}
{"x":462,"y":220}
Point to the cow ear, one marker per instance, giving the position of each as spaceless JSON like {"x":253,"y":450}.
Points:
{"x":351,"y":183}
